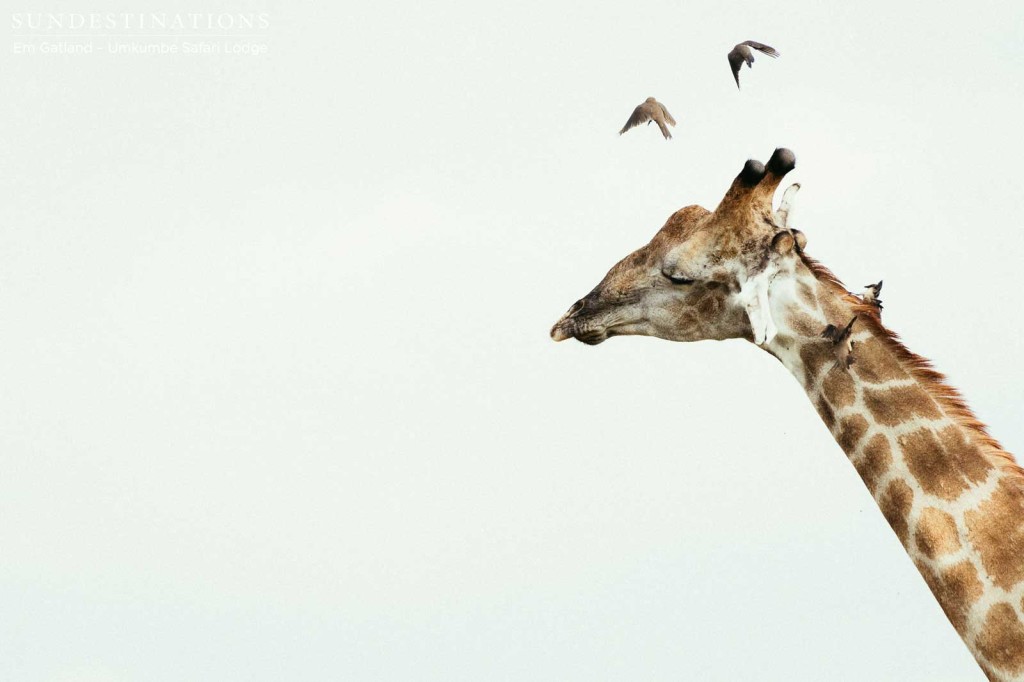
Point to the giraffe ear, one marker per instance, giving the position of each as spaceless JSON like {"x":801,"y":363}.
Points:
{"x":783,"y":243}
{"x":801,"y":239}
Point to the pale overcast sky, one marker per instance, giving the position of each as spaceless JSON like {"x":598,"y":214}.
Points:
{"x":280,"y":401}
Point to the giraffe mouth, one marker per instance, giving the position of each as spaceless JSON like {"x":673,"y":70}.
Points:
{"x":593,"y":338}
{"x":568,"y":329}
{"x":587,"y":321}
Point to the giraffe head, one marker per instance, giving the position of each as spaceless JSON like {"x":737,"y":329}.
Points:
{"x":705,"y":275}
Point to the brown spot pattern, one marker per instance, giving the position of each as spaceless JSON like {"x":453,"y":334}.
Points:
{"x":895,"y":504}
{"x":708,"y":305}
{"x":964,"y":588}
{"x":686,"y":320}
{"x":936,"y":533}
{"x":875,"y":462}
{"x":804,"y":325}
{"x":876,"y":363}
{"x":892,"y":406}
{"x":827,"y":415}
{"x":838,"y":387}
{"x":956,"y":588}
{"x":831,"y":304}
{"x":961,"y":448}
{"x":1001,"y":639}
{"x":996,"y":529}
{"x":806,"y":294}
{"x":942,"y":470}
{"x":851,"y":430}
{"x":814,"y":355}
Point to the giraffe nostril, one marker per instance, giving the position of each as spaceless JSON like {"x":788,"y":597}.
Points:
{"x":576,"y":307}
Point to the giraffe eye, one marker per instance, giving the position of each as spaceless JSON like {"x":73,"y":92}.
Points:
{"x":676,"y":279}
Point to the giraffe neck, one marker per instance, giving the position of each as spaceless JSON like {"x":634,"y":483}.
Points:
{"x":953,"y":497}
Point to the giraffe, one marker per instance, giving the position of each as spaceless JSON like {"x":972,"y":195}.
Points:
{"x":952,"y":495}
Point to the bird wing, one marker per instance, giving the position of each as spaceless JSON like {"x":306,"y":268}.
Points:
{"x":640,"y":115}
{"x":761,"y":47}
{"x":735,"y":62}
{"x":668,"y":116}
{"x":845,"y":334}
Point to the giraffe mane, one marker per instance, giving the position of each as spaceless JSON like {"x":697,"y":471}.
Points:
{"x":921,"y":369}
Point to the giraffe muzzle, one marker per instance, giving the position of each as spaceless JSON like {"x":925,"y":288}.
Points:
{"x":575,"y":324}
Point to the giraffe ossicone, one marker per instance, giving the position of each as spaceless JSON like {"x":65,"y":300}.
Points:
{"x":952,"y":495}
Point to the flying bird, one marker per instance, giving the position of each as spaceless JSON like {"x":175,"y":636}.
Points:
{"x":650,"y":110}
{"x":741,"y":53}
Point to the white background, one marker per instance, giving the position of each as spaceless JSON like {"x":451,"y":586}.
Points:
{"x":279,"y":400}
